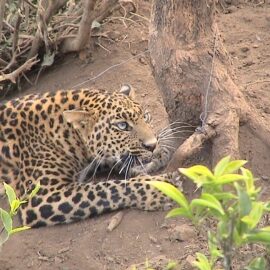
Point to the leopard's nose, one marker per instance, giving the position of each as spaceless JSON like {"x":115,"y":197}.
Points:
{"x":150,"y":145}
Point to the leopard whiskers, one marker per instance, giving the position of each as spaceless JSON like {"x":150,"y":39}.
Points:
{"x":124,"y":164}
{"x":141,"y":164}
{"x":170,"y":131}
{"x":129,"y":164}
{"x":97,"y":165}
{"x":168,"y":146}
{"x":111,"y":170}
{"x":176,"y":123}
{"x":84,"y":172}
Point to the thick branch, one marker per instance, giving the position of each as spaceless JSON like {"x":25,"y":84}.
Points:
{"x":77,"y":43}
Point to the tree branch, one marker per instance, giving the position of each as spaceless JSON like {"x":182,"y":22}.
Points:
{"x":14,"y":75}
{"x":2,"y":14}
{"x":77,"y":43}
{"x":52,"y":9}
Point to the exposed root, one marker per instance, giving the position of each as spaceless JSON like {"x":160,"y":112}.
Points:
{"x":190,"y":147}
{"x":259,"y":126}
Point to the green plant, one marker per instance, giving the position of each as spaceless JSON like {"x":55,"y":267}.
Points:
{"x":231,"y":199}
{"x":7,"y":217}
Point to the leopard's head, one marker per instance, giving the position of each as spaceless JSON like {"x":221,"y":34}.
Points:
{"x":114,"y":126}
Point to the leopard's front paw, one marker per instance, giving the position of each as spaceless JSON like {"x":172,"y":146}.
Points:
{"x":175,"y":178}
{"x":137,"y":171}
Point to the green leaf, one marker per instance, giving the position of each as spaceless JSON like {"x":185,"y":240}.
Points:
{"x":208,"y":200}
{"x":10,"y":193}
{"x":6,"y":219}
{"x":234,"y":166}
{"x":221,"y":166}
{"x":201,"y":170}
{"x":213,"y":248}
{"x":259,"y":236}
{"x":257,"y":264}
{"x":34,"y":191}
{"x":172,"y":192}
{"x":3,"y":237}
{"x":178,"y":212}
{"x":14,"y":207}
{"x":202,"y":262}
{"x":245,"y":203}
{"x":198,"y":179}
{"x":224,"y":196}
{"x":171,"y":265}
{"x":229,"y":178}
{"x":254,"y":216}
{"x":19,"y":229}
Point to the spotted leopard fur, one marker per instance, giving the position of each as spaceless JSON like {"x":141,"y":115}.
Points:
{"x":50,"y":138}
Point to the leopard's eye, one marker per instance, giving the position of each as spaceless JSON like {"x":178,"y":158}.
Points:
{"x":147,"y":117}
{"x":123,"y":125}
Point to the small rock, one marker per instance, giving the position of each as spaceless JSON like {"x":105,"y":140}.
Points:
{"x":142,"y":60}
{"x":265,"y":178}
{"x":58,"y":260}
{"x":231,"y":9}
{"x":244,"y":49}
{"x":153,"y":239}
{"x":248,"y":63}
{"x":267,"y":110}
{"x":182,"y":233}
{"x":110,"y":259}
{"x":188,"y":263}
{"x":63,"y":250}
{"x":229,"y":2}
{"x":255,"y":45}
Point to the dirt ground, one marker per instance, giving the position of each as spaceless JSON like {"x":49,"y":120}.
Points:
{"x":144,"y":235}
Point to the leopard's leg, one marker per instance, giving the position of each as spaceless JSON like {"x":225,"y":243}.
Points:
{"x":76,"y":201}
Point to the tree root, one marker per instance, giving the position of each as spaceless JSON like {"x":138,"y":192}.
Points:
{"x":190,"y":146}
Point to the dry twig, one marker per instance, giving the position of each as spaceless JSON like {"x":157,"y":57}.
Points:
{"x":15,"y":74}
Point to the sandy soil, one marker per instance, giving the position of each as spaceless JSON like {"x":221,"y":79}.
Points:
{"x":142,"y":235}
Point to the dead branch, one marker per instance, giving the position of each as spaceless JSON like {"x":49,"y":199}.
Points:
{"x":106,"y":9}
{"x":17,"y":29}
{"x":77,"y":43}
{"x":15,"y":74}
{"x":53,"y":8}
{"x":2,"y":14}
{"x":3,"y":62}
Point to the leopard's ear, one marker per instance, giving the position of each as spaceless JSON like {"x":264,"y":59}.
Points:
{"x":81,"y":119}
{"x":128,"y":90}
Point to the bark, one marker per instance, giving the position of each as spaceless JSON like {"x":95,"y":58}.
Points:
{"x":187,"y":55}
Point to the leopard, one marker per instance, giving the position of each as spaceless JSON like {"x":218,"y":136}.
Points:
{"x":50,"y":139}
